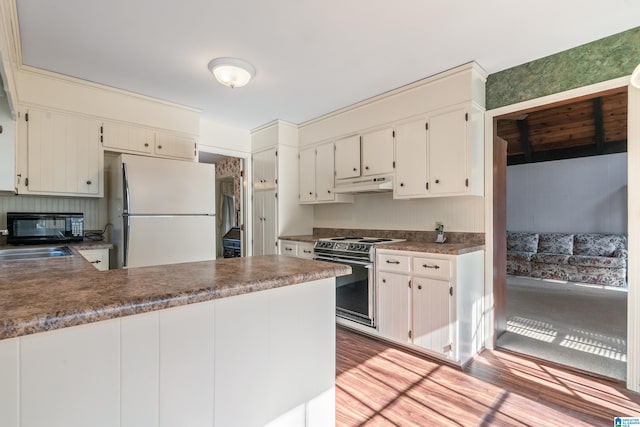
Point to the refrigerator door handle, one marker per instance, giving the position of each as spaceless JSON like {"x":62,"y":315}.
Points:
{"x":125,"y":190}
{"x":125,"y":242}
{"x":125,"y":215}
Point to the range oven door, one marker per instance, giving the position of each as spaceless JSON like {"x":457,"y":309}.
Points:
{"x":355,"y":292}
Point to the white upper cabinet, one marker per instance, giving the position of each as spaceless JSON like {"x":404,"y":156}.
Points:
{"x":307,"y":171}
{"x":411,"y":144}
{"x":127,"y":138}
{"x":377,"y":152}
{"x":325,"y":173}
{"x":347,"y":157}
{"x":59,"y":154}
{"x":449,"y":152}
{"x":176,"y":146}
{"x":317,"y":173}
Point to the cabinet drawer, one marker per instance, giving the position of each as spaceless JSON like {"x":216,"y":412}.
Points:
{"x":305,"y":250}
{"x":290,"y":249}
{"x":390,"y":262}
{"x":438,"y":268}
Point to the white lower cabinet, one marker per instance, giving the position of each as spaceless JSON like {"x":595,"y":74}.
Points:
{"x":296,"y":249}
{"x":98,"y":257}
{"x":258,"y":359}
{"x":393,"y":306}
{"x":431,"y":302}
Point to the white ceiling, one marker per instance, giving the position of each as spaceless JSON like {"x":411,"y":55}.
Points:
{"x":311,"y":57}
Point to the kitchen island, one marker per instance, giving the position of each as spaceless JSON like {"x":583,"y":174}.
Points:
{"x":242,"y":341}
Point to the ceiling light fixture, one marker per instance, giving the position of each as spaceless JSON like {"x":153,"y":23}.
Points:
{"x":232,"y":72}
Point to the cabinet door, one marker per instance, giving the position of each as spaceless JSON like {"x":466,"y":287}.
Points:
{"x":393,"y":306}
{"x":264,"y":169}
{"x":288,"y":248}
{"x":307,"y":175}
{"x":176,"y":146}
{"x":264,"y":223}
{"x":121,"y":137}
{"x":411,"y":159}
{"x":325,"y":172}
{"x":257,"y":242}
{"x":98,"y":257}
{"x":63,"y":154}
{"x":448,"y":152}
{"x":377,"y":152}
{"x":432,"y":314}
{"x":347,"y":157}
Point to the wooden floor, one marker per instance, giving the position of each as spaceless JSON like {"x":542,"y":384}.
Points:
{"x":378,"y":384}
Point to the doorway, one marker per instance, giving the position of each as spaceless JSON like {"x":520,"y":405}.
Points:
{"x":571,"y":147}
{"x":230,"y":204}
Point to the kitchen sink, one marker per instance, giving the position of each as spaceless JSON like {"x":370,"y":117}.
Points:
{"x":34,"y":253}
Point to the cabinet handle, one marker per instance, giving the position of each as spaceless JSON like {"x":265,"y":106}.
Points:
{"x":431,"y":266}
{"x":329,"y":191}
{"x":354,"y":169}
{"x":392,"y":262}
{"x":402,"y":184}
{"x":306,"y":251}
{"x":384,"y":280}
{"x":419,"y":286}
{"x":437,"y":181}
{"x":159,"y":147}
{"x":89,"y":182}
{"x":288,"y":249}
{"x":146,"y":144}
{"x":310,"y":193}
{"x":366,"y":167}
{"x":96,"y":262}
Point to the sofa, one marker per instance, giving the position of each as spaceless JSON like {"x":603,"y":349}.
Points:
{"x":599,"y":259}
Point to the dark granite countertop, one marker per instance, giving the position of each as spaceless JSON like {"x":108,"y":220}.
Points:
{"x":307,"y":238}
{"x":46,"y":294}
{"x":432,"y":247}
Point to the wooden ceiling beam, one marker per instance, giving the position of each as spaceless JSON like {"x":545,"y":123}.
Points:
{"x":567,"y":153}
{"x":523,"y":128}
{"x":599,"y":124}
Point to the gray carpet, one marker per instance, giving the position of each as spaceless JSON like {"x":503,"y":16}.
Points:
{"x":573,"y":324}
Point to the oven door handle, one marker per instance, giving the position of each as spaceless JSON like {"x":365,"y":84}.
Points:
{"x":365,"y":264}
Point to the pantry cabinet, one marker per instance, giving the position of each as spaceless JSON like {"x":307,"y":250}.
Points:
{"x":264,"y":169}
{"x":265,"y":237}
{"x":431,"y":302}
{"x":316,"y":176}
{"x":126,"y":138}
{"x":58,"y":154}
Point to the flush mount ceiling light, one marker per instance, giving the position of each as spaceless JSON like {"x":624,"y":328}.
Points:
{"x":232,"y":72}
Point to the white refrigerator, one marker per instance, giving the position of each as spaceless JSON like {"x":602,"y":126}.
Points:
{"x":162,"y":211}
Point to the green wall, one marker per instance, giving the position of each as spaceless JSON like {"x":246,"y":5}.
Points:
{"x":601,"y":60}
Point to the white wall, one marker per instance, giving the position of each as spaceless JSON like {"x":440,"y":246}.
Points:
{"x":220,"y":139}
{"x":381,"y":212}
{"x":587,"y":194}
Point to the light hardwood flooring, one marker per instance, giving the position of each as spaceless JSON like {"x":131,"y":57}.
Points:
{"x":378,"y":384}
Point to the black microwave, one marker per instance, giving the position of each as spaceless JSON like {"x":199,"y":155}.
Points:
{"x":32,"y":228}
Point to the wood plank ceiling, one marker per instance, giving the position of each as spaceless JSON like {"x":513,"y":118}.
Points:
{"x":586,"y":126}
